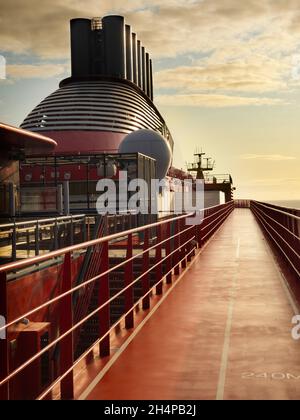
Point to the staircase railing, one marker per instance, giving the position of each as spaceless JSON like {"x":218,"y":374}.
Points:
{"x":90,"y":267}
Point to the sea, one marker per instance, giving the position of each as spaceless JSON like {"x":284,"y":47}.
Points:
{"x":293,"y":204}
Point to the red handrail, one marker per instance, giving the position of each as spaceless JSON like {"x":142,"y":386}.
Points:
{"x":180,"y":247}
{"x":283,"y":229}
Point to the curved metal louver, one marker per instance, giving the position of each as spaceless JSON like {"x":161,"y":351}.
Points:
{"x":96,"y":105}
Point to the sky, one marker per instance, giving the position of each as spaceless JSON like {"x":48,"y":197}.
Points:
{"x":226,"y":77}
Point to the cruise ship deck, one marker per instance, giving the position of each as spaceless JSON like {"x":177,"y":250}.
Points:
{"x":222,"y":332}
{"x":214,"y":320}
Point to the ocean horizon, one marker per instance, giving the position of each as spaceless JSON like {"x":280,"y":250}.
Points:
{"x":294,"y":204}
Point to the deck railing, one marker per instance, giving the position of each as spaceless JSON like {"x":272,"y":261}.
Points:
{"x":164,"y":253}
{"x":283,"y":228}
{"x":242,"y":204}
{"x":19,"y":239}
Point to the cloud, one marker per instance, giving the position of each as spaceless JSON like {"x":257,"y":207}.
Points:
{"x":235,"y":76}
{"x":274,"y":158}
{"x":249,"y":44}
{"x":41,"y":71}
{"x":209,"y":100}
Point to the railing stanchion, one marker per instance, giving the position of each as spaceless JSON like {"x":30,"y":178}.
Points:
{"x":66,"y":323}
{"x":129,"y":319}
{"x":168,"y":252}
{"x":146,"y":267}
{"x":37,"y":237}
{"x":158,"y":258}
{"x":56,"y":235}
{"x":177,"y":245}
{"x":103,"y":296}
{"x":4,"y":348}
{"x":189,"y":245}
{"x":14,"y":243}
{"x":182,"y":241}
{"x":71,"y":231}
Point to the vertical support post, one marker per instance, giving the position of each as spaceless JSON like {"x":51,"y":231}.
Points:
{"x":66,"y":198}
{"x":4,"y":347}
{"x":66,"y":323}
{"x":59,"y":199}
{"x":104,"y":295}
{"x":37,"y":238}
{"x":199,"y":235}
{"x":12,"y":199}
{"x":146,"y":267}
{"x":28,"y":242}
{"x":177,"y":246}
{"x":129,"y":319}
{"x":183,"y":240}
{"x":168,"y":252}
{"x":84,"y":229}
{"x":158,"y":258}
{"x":71,"y":231}
{"x":188,"y":236}
{"x":55,"y":235}
{"x":14,"y":243}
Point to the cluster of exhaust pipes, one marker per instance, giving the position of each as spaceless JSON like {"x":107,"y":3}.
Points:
{"x":108,"y":47}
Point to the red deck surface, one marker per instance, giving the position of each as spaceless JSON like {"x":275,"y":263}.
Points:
{"x":224,"y":332}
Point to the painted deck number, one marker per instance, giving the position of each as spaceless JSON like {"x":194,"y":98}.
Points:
{"x":279,"y":376}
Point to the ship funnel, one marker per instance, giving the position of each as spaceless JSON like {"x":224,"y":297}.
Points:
{"x":80,"y":47}
{"x":128,"y":53}
{"x":144,"y":82}
{"x":134,"y":59}
{"x":107,"y":47}
{"x":139,"y":64}
{"x":114,"y":49}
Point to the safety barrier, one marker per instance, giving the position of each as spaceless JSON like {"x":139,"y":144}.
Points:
{"x":242,"y":204}
{"x":283,"y":228}
{"x":35,"y":235}
{"x":167,"y":247}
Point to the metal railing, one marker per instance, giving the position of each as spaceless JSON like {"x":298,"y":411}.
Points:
{"x":173,"y":246}
{"x":242,"y":204}
{"x":218,"y":179}
{"x":20,"y":239}
{"x":283,"y":228}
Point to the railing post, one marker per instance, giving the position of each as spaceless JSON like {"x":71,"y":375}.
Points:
{"x":14,"y":243}
{"x":55,"y":235}
{"x":84,"y":230}
{"x":66,"y":323}
{"x":37,"y":238}
{"x":189,"y":245}
{"x":182,"y":241}
{"x":146,"y":267}
{"x":198,"y":232}
{"x":177,"y":246}
{"x":158,"y":258}
{"x":168,"y":252}
{"x":4,"y":347}
{"x":129,"y":319}
{"x":104,"y":295}
{"x":71,"y":231}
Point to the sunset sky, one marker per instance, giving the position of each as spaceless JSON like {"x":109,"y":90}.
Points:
{"x":227,"y":77}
